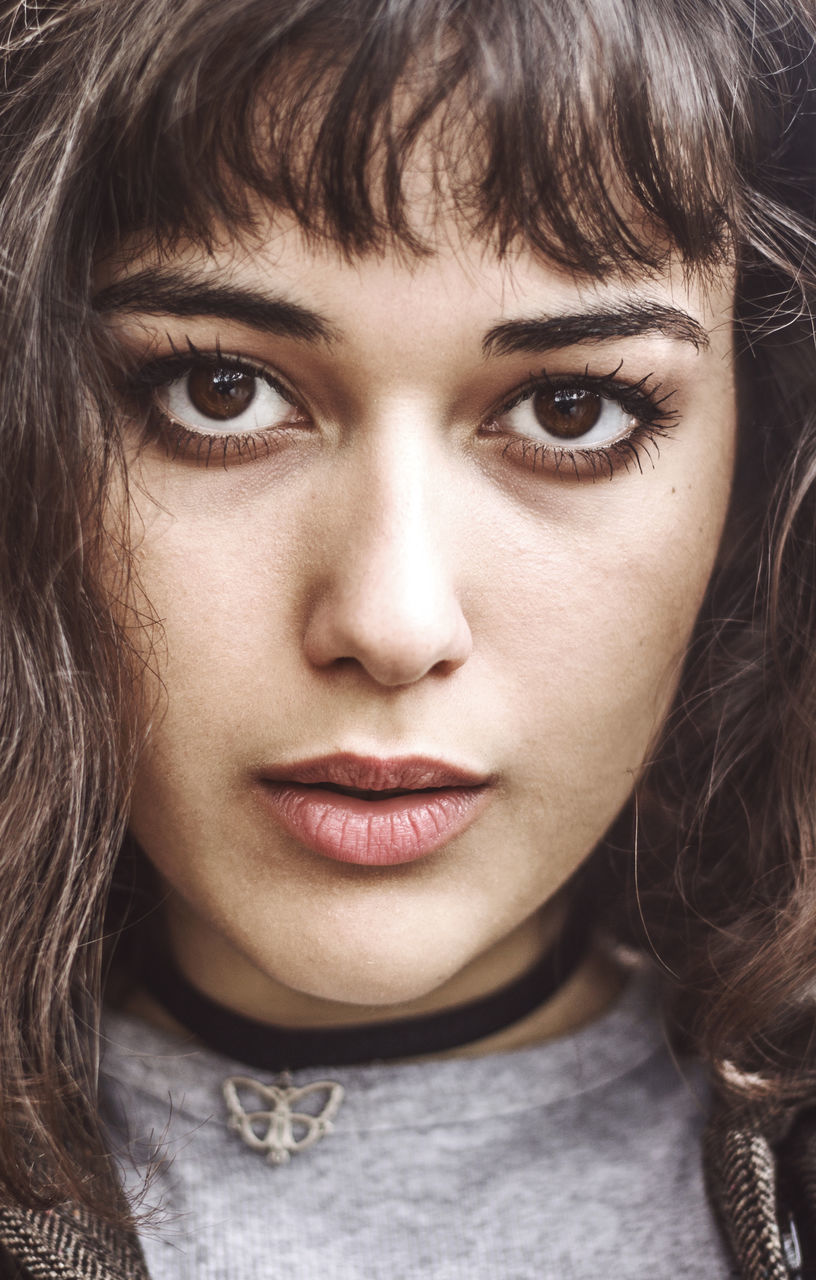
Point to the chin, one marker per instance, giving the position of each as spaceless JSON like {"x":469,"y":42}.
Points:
{"x":371,"y":993}
{"x":386,"y":969}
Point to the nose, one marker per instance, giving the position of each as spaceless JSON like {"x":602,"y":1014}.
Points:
{"x":386,"y":595}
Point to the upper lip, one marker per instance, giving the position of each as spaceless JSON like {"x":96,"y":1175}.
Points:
{"x":375,"y":773}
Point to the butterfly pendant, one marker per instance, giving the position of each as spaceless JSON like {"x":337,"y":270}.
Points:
{"x":272,"y":1128}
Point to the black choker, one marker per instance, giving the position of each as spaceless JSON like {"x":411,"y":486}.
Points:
{"x":276,"y":1049}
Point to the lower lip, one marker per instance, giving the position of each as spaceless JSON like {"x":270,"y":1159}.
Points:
{"x":373,"y":833}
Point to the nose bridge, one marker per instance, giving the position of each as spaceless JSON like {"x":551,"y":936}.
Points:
{"x":389,"y":597}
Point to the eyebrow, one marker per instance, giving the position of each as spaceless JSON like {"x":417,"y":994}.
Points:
{"x":160,"y":291}
{"x":156,"y":291}
{"x":549,"y":333}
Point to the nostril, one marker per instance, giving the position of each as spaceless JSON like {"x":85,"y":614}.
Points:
{"x":396,"y":615}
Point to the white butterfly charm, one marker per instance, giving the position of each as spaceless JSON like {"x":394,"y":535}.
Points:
{"x":273,"y":1130}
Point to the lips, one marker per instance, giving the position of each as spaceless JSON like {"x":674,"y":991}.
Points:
{"x":373,"y":811}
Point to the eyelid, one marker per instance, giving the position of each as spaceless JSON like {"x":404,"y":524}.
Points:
{"x":159,"y":371}
{"x":635,"y":396}
{"x":142,"y":380}
{"x":643,"y":403}
{"x":645,"y":406}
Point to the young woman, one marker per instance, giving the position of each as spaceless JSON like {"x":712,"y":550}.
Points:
{"x":407,"y":575}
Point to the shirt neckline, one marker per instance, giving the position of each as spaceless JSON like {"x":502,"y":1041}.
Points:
{"x":392,"y":1095}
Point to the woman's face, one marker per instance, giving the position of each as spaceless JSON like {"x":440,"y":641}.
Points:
{"x":439,"y":527}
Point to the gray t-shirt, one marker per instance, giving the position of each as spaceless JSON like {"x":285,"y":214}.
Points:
{"x":578,"y":1159}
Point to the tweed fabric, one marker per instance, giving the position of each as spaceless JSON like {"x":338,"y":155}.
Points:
{"x":743,"y":1179}
{"x":798,"y":1155}
{"x":65,"y":1244}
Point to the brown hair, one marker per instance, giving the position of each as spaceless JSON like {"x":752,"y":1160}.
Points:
{"x":550,"y":121}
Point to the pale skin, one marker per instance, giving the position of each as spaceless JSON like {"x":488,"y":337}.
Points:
{"x":386,"y":574}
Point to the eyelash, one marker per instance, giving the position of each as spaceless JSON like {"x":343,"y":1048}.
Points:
{"x":140,"y":385}
{"x":652,"y":420}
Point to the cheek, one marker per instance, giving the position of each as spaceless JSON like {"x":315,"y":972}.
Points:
{"x":595,"y":608}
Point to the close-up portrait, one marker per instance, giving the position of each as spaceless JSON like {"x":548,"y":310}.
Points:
{"x":407,"y":640}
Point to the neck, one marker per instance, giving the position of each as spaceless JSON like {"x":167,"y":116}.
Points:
{"x":237,"y":986}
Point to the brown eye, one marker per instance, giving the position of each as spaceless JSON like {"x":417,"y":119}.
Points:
{"x":558,"y":417}
{"x":220,"y":393}
{"x":228,"y":398}
{"x":567,"y":413}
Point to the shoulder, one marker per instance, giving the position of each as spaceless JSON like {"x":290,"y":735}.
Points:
{"x":65,"y":1242}
{"x":760,"y":1166}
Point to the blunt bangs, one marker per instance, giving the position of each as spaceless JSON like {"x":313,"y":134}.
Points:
{"x":602,"y":133}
